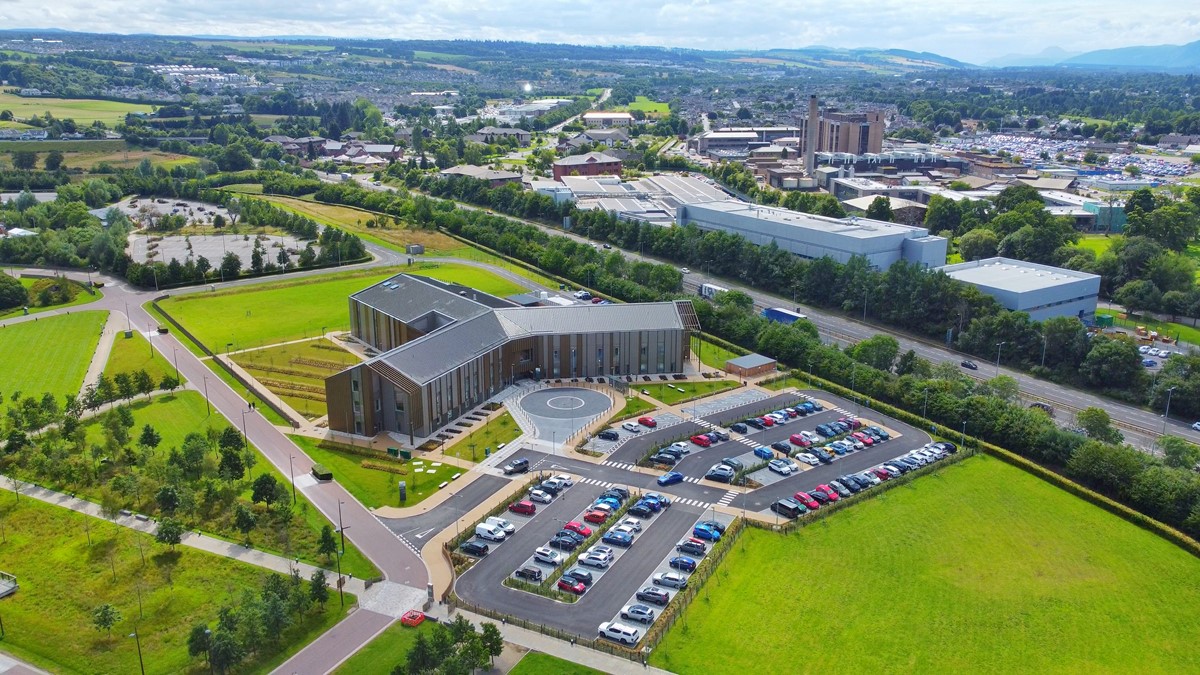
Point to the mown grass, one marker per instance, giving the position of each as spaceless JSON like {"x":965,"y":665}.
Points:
{"x":634,"y":405}
{"x":63,"y":578}
{"x":81,"y":298}
{"x":471,"y":447}
{"x":978,"y":568}
{"x":1097,"y":243}
{"x":712,"y":355}
{"x":373,"y":487}
{"x":296,"y":372}
{"x":134,"y":353}
{"x":389,"y":649}
{"x":649,"y":106}
{"x":48,"y":355}
{"x":83,"y":110}
{"x":537,"y":663}
{"x":667,"y":393}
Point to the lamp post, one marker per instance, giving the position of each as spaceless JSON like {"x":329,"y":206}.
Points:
{"x":1044,"y":337}
{"x":999,"y":346}
{"x":208,"y":649}
{"x":292,"y":474}
{"x":138,"y":640}
{"x":175,"y":357}
{"x":1167,"y":412}
{"x":245,"y":439}
{"x":963,"y":441}
{"x":207,"y":402}
{"x":925,"y":407}
{"x":341,"y":528}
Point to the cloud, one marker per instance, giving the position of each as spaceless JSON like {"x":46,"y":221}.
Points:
{"x":970,"y":31}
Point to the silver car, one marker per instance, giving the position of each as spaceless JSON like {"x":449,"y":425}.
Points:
{"x":670,"y":580}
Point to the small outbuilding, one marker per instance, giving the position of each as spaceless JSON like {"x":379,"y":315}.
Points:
{"x":750,"y":365}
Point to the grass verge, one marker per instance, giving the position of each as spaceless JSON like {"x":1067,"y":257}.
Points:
{"x":389,"y":649}
{"x":669,"y":393}
{"x":503,"y":429}
{"x":712,"y":355}
{"x":537,"y":663}
{"x":134,"y":353}
{"x":376,"y":487}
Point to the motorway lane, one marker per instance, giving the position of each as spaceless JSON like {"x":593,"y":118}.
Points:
{"x":482,"y":584}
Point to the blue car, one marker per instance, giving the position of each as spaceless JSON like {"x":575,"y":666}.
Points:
{"x":683,"y":563}
{"x":609,"y":501}
{"x":617,"y":539}
{"x":706,"y":532}
{"x":670,"y":478}
{"x":1149,"y":363}
{"x":652,"y":504}
{"x":764,"y":453}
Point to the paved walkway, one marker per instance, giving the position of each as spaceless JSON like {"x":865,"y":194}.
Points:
{"x":11,"y":665}
{"x":108,"y":335}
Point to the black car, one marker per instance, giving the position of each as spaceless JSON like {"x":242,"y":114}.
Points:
{"x":552,"y":488}
{"x":516,"y":466}
{"x":475,"y":548}
{"x":640,"y":510}
{"x":782,"y":446}
{"x":529,"y":574}
{"x":683,"y":563}
{"x":712,"y":524}
{"x":672,"y":451}
{"x":825,"y":430}
{"x":691,"y":548}
{"x":564,"y":543}
{"x":969,"y":365}
{"x":572,"y":534}
{"x":654,"y":596}
{"x":822,"y":456}
{"x":608,"y":435}
{"x":581,"y":575}
{"x":733,"y":463}
{"x":664,"y":458}
{"x":719,"y":476}
{"x":789,"y":508}
{"x":739,"y":427}
{"x":624,"y":494}
{"x":948,"y":447}
{"x":820,"y":496}
{"x":852,"y":483}
{"x":755,"y":423}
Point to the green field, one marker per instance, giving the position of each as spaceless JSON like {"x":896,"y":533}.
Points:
{"x":385,"y":651}
{"x":250,"y":317}
{"x":296,"y":372}
{"x":245,"y":188}
{"x":83,"y":110}
{"x":27,"y":349}
{"x":1097,"y":243}
{"x":667,"y":394}
{"x":262,"y":46}
{"x":712,"y":355}
{"x":63,"y":578}
{"x":373,"y":487}
{"x":1175,"y":330}
{"x":471,"y":447}
{"x":980,"y":567}
{"x":134,"y":353}
{"x":64,"y":146}
{"x":537,"y":663}
{"x":634,"y":405}
{"x":650,"y":107}
{"x":82,"y":298}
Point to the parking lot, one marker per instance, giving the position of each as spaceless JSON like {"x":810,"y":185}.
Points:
{"x":664,"y":420}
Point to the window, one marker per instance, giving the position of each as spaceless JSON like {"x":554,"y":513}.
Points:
{"x":353,"y":385}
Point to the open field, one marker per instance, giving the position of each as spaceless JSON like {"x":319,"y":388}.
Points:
{"x":134,"y":353}
{"x":712,"y":355}
{"x":977,"y":568}
{"x":649,"y":107}
{"x":126,"y":160}
{"x":387,"y":650}
{"x":252,"y":317}
{"x":1176,"y":330}
{"x":668,"y":394}
{"x":63,"y":579}
{"x":82,"y":298}
{"x":64,"y":146}
{"x":537,"y":663}
{"x":503,"y":429}
{"x":374,"y":487}
{"x":83,"y":110}
{"x":1097,"y":243}
{"x":296,"y":372}
{"x":245,"y":188}
{"x":26,"y":349}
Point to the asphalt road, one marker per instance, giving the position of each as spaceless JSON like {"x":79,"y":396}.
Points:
{"x":482,"y":584}
{"x":420,"y":528}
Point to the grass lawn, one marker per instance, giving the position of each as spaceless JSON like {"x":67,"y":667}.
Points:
{"x":296,"y":372}
{"x":665,"y":393}
{"x":63,"y":578}
{"x":633,"y":405}
{"x":650,"y":107}
{"x":82,"y":298}
{"x":245,"y":188}
{"x":712,"y":355}
{"x":127,"y":159}
{"x":537,"y":663}
{"x":84,"y":111}
{"x":1005,"y":573}
{"x":174,"y":416}
{"x":784,"y":383}
{"x":388,"y":649}
{"x":1181,"y":331}
{"x":500,"y":430}
{"x":1097,"y":243}
{"x":26,"y":349}
{"x":134,"y":353}
{"x":372,"y":487}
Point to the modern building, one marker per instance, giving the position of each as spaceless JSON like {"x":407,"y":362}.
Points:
{"x":493,"y":177}
{"x":590,"y":164}
{"x":650,"y":199}
{"x":813,"y":236}
{"x":444,"y":349}
{"x":1041,"y":291}
{"x":607,"y":119}
{"x":491,"y":134}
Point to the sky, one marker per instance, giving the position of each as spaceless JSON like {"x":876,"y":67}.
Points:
{"x":969,"y":30}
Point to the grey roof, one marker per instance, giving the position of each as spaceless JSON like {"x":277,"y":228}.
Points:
{"x":553,"y":320}
{"x":750,"y":361}
{"x":1016,"y":276}
{"x":443,"y":350}
{"x":480,"y":172}
{"x":406,"y":298}
{"x":588,"y":158}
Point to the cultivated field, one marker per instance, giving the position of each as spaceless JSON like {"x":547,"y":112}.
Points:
{"x":977,"y":568}
{"x":83,"y":110}
{"x":296,"y":372}
{"x":48,"y":355}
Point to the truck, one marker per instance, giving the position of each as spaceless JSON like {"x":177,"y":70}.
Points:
{"x":781,"y":315}
{"x":709,"y":291}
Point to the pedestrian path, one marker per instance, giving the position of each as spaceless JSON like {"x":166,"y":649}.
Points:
{"x":108,"y":335}
{"x":746,"y":441}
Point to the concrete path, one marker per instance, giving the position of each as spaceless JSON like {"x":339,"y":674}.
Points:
{"x":11,"y":665}
{"x":108,"y":335}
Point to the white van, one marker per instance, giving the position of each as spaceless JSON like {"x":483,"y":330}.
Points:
{"x":619,"y":632}
{"x":489,"y":532}
{"x":501,"y":523}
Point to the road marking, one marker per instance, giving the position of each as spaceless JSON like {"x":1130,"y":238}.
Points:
{"x":423,"y":534}
{"x":620,"y":465}
{"x":729,"y":497}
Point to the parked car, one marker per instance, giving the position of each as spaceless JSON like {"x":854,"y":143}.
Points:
{"x":691,"y":547}
{"x":565,"y":479}
{"x":640,"y":510}
{"x":822,"y":455}
{"x":617,"y":539}
{"x":475,"y":548}
{"x":664,"y":458}
{"x":594,"y":560}
{"x":719,"y":434}
{"x":881,"y":474}
{"x":550,"y":487}
{"x":739,"y":427}
{"x":670,"y":580}
{"x":501,"y":523}
{"x":720,"y":473}
{"x":571,"y":534}
{"x":683,"y":563}
{"x":571,"y":585}
{"x":767,"y":421}
{"x":595,"y":516}
{"x":969,"y":365}
{"x":631,"y":427}
{"x":789,"y":508}
{"x":568,"y":544}
{"x":870,"y":477}
{"x":782,"y":446}
{"x":548,"y":556}
{"x":618,"y":632}
{"x":581,"y":575}
{"x":670,"y":478}
{"x":706,"y":533}
{"x":797,"y":439}
{"x":523,"y":507}
{"x":764,"y":452}
{"x":713,"y":524}
{"x":819,"y":496}
{"x":791,"y":412}
{"x":578,"y":528}
{"x":780,"y":467}
{"x":529,"y":574}
{"x":639,"y":613}
{"x":682,"y":447}
{"x":733,"y":463}
{"x":647,"y":422}
{"x":633,"y":523}
{"x":516,"y":466}
{"x":807,"y":500}
{"x":808,"y":458}
{"x":829,"y":492}
{"x":948,"y":447}
{"x":654,"y":596}
{"x":880,"y":432}
{"x":701,"y":440}
{"x":608,"y":435}
{"x":754,"y":422}
{"x":540,"y":496}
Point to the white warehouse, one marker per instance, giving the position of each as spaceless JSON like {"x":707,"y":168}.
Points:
{"x":811,"y":236}
{"x":1041,"y":291}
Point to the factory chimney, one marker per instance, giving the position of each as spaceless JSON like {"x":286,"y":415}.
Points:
{"x":810,"y":137}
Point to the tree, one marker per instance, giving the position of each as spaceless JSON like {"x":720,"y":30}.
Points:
{"x":231,"y":266}
{"x":421,"y":658}
{"x":266,"y":489}
{"x":1139,"y":294}
{"x":880,"y":208}
{"x":1111,"y":362}
{"x":54,"y":160}
{"x":877,"y":351}
{"x":199,"y":640}
{"x":124,"y":384}
{"x":149,"y":438}
{"x":105,"y":617}
{"x":169,"y":383}
{"x":142,"y":382}
{"x":327,"y":544}
{"x":244,"y":520}
{"x":231,"y":466}
{"x":978,"y":244}
{"x":225,"y":651}
{"x":493,"y":640}
{"x":1096,"y":423}
{"x":1179,"y":453}
{"x":168,"y":499}
{"x":12,"y":293}
{"x":230,"y":439}
{"x":318,"y":587}
{"x":170,"y":532}
{"x":25,"y":160}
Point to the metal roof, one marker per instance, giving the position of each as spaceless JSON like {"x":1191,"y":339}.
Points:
{"x":750,"y":361}
{"x":447,"y":348}
{"x":406,"y":298}
{"x":528,"y":321}
{"x":1015,"y":276}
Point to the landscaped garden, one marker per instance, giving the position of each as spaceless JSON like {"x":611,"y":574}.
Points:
{"x":990,"y":568}
{"x":296,"y":372}
{"x":712,"y":355}
{"x":134,"y":353}
{"x":670,"y":392}
{"x":374,"y":478}
{"x":502,"y":429}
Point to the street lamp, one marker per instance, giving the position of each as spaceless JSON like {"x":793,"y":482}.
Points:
{"x":963,"y":442}
{"x":245,"y":440}
{"x":1167,"y":413}
{"x":999,"y":346}
{"x":1044,"y":337}
{"x":138,"y":641}
{"x":207,"y":402}
{"x":341,"y":528}
{"x":175,"y":357}
{"x":293,"y":477}
{"x":925,"y":407}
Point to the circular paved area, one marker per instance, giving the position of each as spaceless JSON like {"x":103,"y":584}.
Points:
{"x":565,"y":404}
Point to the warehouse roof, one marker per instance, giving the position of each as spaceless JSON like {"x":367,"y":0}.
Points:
{"x":860,"y":228}
{"x":750,"y":361}
{"x":1015,"y":276}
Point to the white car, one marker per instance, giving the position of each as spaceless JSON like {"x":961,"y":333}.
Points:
{"x":682,"y":446}
{"x":594,"y":560}
{"x":501,"y":523}
{"x":625,"y":529}
{"x":601,"y":550}
{"x":631,"y":427}
{"x":637,"y":524}
{"x":808,"y":458}
{"x":540,"y":496}
{"x":1195,"y":426}
{"x":780,"y":467}
{"x":548,"y":556}
{"x":564,"y":479}
{"x":1153,"y":351}
{"x":685,"y":270}
{"x":811,"y":435}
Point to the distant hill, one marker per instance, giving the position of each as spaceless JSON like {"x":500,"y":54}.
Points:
{"x":1050,"y":56}
{"x":888,"y":61}
{"x":1159,"y":57}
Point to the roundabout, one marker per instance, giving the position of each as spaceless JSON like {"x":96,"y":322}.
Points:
{"x":558,"y":413}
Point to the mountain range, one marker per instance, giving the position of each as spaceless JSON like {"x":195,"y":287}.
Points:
{"x":1143,"y":57}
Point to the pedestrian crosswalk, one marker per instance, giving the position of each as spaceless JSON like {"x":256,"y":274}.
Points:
{"x":593,"y":481}
{"x":692,"y":502}
{"x":729,"y":497}
{"x":704,"y":423}
{"x":746,"y":441}
{"x":689,"y":479}
{"x":620,"y":465}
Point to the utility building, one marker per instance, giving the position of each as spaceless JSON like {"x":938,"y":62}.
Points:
{"x":1041,"y":291}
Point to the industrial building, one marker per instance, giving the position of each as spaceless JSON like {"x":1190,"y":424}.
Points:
{"x":813,"y":236}
{"x":444,"y":349}
{"x":652,"y":199}
{"x":1041,"y":291}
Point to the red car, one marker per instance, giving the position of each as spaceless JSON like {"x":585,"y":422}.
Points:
{"x":570,"y":585}
{"x":596,"y":301}
{"x":881,"y":474}
{"x":833,"y":495}
{"x":805,"y":499}
{"x":767,"y":421}
{"x":866,"y":440}
{"x":854,"y":424}
{"x":647,"y":422}
{"x":578,"y":528}
{"x":799,"y":440}
{"x":702,"y":440}
{"x":791,"y":412}
{"x":525,"y":508}
{"x":595,"y":516}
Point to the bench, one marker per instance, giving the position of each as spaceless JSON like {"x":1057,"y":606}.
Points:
{"x":443,"y":484}
{"x":455,"y":476}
